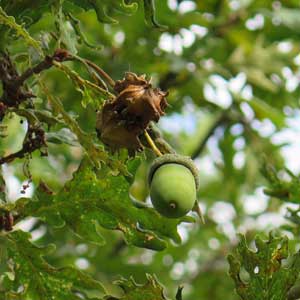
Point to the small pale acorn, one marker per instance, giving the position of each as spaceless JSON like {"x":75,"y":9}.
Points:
{"x":173,"y":181}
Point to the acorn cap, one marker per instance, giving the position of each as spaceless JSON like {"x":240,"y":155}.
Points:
{"x":177,"y":159}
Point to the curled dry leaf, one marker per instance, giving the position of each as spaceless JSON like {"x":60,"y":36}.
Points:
{"x":123,"y":119}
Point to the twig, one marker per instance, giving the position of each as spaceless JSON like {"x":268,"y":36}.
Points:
{"x":35,"y":139}
{"x":6,"y":221}
{"x":9,"y":158}
{"x":92,"y":72}
{"x":222,"y":118}
{"x":59,"y":55}
{"x":13,"y":91}
{"x":43,"y":65}
{"x":102,"y":73}
{"x":96,"y":68}
{"x":2,"y":188}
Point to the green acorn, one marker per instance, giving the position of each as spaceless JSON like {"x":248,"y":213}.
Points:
{"x":173,"y":181}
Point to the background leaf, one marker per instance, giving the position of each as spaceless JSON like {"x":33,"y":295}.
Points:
{"x":266,"y":275}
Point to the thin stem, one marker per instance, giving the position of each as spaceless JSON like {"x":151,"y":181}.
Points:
{"x":92,"y":72}
{"x":84,"y":81}
{"x":220,"y":120}
{"x":152,"y":144}
{"x":101,"y":72}
{"x":2,"y":187}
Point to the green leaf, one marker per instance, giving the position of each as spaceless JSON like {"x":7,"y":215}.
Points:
{"x":100,"y":10}
{"x":259,"y":61}
{"x":63,"y":136}
{"x":293,"y":215}
{"x":102,"y":7}
{"x":258,"y":78}
{"x":285,"y":190}
{"x":95,"y":152}
{"x":66,"y":35}
{"x":91,"y":93}
{"x":122,"y":7}
{"x":149,"y":8}
{"x":267,"y":279}
{"x":289,"y":17}
{"x":151,"y":290}
{"x":27,"y":11}
{"x":35,"y":116}
{"x":264,"y":111}
{"x":90,"y":200}
{"x":21,"y":31}
{"x":33,"y":278}
{"x":81,"y":37}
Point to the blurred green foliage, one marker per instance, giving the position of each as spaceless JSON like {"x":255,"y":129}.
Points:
{"x":232,"y":71}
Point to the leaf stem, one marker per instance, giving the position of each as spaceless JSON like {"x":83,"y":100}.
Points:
{"x":101,"y":72}
{"x":92,"y":72}
{"x":81,"y":80}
